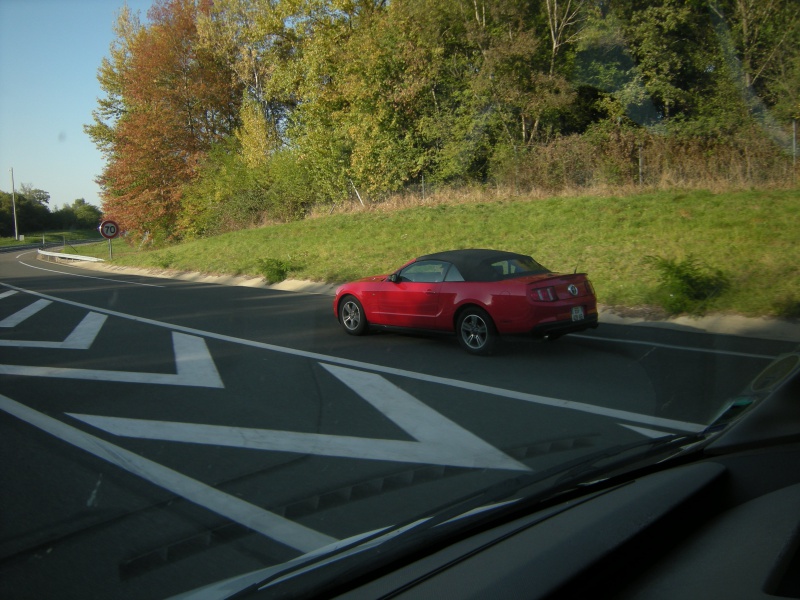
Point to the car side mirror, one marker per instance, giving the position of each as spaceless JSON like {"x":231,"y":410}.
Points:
{"x":394,"y":278}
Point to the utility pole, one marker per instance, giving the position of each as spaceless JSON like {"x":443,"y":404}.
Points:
{"x":14,"y":204}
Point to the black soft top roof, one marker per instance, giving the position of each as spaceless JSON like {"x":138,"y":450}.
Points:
{"x":475,"y":264}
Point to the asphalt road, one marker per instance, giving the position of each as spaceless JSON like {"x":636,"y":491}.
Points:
{"x":158,"y":435}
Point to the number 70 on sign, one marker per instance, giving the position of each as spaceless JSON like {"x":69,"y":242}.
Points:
{"x":109,"y":230}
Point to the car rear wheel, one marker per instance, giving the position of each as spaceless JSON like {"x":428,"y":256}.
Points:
{"x":476,"y":331}
{"x":351,"y":316}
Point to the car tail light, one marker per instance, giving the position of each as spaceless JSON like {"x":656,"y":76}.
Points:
{"x":589,"y":287}
{"x":545,"y":294}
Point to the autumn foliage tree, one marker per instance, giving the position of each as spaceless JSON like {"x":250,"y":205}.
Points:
{"x":167,"y":102}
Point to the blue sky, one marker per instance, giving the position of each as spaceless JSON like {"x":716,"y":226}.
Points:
{"x":50,"y":51}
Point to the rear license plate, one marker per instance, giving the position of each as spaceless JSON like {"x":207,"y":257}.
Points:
{"x":577,"y":313}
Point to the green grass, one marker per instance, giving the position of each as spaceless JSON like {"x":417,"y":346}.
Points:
{"x":753,"y":237}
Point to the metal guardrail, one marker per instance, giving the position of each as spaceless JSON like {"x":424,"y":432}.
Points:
{"x":61,"y":255}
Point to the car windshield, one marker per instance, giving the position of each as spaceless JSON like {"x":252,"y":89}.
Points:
{"x":272,"y":282}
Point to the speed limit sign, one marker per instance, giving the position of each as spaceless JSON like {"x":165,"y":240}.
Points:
{"x":109,"y":229}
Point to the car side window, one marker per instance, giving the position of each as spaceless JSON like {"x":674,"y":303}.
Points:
{"x":500,"y":268}
{"x":425,"y":271}
{"x":515,"y":266}
{"x":453,"y":274}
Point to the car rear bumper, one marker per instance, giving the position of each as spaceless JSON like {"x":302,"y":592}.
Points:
{"x":563,"y":327}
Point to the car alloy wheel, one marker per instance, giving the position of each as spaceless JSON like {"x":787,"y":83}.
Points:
{"x":476,"y":331}
{"x":351,"y":316}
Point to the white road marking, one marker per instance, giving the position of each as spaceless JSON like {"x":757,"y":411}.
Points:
{"x":90,"y":276}
{"x":262,"y":521}
{"x":318,"y":444}
{"x":193,"y":362}
{"x":671,"y":346}
{"x":81,"y":338}
{"x":422,"y":422}
{"x":25,"y":313}
{"x":613,"y":413}
{"x":7,"y":294}
{"x":622,"y":415}
{"x":439,"y":440}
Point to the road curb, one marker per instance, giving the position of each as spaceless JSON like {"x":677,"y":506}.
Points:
{"x":752,"y":327}
{"x":724,"y":324}
{"x":289,"y":285}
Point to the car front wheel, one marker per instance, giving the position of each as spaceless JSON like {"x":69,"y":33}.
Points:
{"x":351,"y":316}
{"x":476,"y":331}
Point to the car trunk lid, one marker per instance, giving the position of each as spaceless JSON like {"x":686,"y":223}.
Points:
{"x":551,"y":287}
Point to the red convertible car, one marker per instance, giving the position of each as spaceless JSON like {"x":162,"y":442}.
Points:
{"x":478,"y":294}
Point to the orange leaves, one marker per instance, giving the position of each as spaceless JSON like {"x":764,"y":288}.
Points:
{"x":178,"y":100}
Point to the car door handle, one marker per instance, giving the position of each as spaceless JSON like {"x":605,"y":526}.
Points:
{"x":431,"y":292}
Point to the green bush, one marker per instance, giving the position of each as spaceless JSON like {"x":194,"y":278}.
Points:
{"x":687,"y":286}
{"x":274,"y":270}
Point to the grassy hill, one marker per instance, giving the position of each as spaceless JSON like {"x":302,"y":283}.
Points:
{"x":751,"y":237}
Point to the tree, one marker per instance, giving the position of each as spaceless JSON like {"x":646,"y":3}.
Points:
{"x":762,"y":38}
{"x":666,"y":39}
{"x":111,"y":76}
{"x":34,"y":195}
{"x":562,"y":21}
{"x":260,"y":40}
{"x":79,"y":215}
{"x":167,"y":102}
{"x":33,"y":213}
{"x":354,"y":123}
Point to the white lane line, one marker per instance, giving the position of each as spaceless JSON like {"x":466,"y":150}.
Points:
{"x":194,"y":364}
{"x":27,"y":312}
{"x":81,"y":338}
{"x":7,"y":294}
{"x":90,"y":277}
{"x":671,"y":346}
{"x":465,"y":385}
{"x":593,"y":409}
{"x":262,"y":521}
{"x":439,"y":441}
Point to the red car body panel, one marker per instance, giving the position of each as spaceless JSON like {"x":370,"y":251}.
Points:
{"x":509,"y":301}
